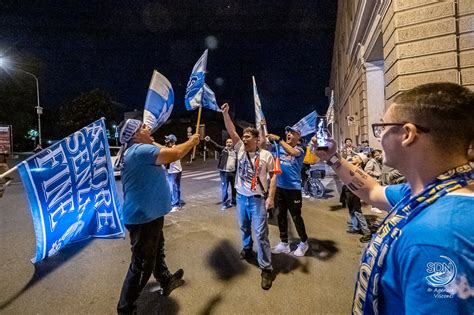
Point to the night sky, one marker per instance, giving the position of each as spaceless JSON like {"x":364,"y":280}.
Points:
{"x":115,"y":45}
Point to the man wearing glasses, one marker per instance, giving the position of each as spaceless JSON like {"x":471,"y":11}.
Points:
{"x":421,"y":260}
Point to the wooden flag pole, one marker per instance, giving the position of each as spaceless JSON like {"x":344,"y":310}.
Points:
{"x":197,"y":130}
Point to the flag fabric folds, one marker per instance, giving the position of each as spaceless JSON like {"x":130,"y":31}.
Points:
{"x":259,"y":117}
{"x":198,"y":93}
{"x":307,"y":124}
{"x":159,"y":101}
{"x":71,"y":191}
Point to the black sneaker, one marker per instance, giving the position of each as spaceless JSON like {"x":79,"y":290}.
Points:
{"x":353,"y":231}
{"x":267,"y":279}
{"x":366,"y":238}
{"x":172,"y":282}
{"x":246,"y":253}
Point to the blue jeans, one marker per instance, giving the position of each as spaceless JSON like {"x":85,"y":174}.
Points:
{"x":252,"y":214}
{"x":226,"y":179}
{"x":174,"y":181}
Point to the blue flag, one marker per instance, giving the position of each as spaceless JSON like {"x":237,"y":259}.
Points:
{"x":307,"y":124}
{"x":159,"y":101}
{"x":198,"y":93}
{"x":71,"y":191}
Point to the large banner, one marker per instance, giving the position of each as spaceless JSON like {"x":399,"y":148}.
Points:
{"x":71,"y":191}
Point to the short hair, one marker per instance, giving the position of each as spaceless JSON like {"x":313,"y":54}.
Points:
{"x":254,"y":132}
{"x":347,"y":139}
{"x":446,"y":109}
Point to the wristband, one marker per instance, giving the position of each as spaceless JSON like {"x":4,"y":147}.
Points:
{"x":334,"y":160}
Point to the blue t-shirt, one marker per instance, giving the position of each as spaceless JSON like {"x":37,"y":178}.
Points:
{"x":145,"y":189}
{"x":290,"y":178}
{"x":429,"y":269}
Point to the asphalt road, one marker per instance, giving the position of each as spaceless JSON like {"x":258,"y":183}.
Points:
{"x":86,"y":278}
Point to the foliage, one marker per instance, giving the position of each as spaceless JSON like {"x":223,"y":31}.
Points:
{"x":85,"y":109}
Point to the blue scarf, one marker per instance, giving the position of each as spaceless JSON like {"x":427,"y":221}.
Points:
{"x":372,"y":262}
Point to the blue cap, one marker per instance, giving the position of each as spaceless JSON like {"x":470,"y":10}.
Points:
{"x":171,"y":138}
{"x":288,"y":128}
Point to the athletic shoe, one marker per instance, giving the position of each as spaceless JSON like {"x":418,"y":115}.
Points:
{"x":172,"y":282}
{"x":302,"y":249}
{"x":376,"y":210}
{"x":366,"y":238}
{"x":282,"y":247}
{"x":353,"y":231}
{"x":175,"y":209}
{"x":306,"y":196}
{"x":267,"y":279}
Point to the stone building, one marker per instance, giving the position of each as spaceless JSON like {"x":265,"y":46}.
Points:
{"x":383,"y":47}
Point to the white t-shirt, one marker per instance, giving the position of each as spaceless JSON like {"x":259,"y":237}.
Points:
{"x":230,"y":165}
{"x":245,"y":172}
{"x":175,"y":167}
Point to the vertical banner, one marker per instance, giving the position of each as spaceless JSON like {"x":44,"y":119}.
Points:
{"x":71,"y":191}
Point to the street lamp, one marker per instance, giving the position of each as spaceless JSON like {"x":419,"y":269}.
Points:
{"x":39,"y":109}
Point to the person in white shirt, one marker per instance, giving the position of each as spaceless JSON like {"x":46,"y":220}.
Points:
{"x":254,"y":166}
{"x":174,"y":171}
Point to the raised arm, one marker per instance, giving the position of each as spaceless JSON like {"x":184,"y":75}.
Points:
{"x":217,"y":145}
{"x":229,"y":125}
{"x":168,"y":155}
{"x":293,"y":151}
{"x":359,"y":182}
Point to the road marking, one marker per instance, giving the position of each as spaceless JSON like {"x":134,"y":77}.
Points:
{"x":205,"y":176}
{"x":198,"y":173}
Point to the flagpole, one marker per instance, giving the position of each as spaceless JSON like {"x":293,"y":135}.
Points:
{"x":197,"y":130}
{"x":11,"y":170}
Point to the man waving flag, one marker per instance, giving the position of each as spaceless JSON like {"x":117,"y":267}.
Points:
{"x":159,"y":101}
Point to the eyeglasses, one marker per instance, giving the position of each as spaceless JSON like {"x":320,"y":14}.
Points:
{"x":379,"y":127}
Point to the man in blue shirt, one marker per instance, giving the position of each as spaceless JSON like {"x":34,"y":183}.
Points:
{"x":421,"y":260}
{"x":146,"y":202}
{"x":288,"y":191}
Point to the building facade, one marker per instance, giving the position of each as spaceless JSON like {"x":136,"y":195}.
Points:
{"x":383,"y":47}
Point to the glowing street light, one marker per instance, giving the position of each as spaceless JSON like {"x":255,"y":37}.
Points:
{"x":39,"y":109}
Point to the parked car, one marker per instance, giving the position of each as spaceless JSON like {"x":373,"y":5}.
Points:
{"x":113,"y":156}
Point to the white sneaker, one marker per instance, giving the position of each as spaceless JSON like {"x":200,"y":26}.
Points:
{"x":174,"y":209}
{"x":376,"y":210}
{"x":306,"y":196}
{"x":302,"y":249}
{"x":281,"y":248}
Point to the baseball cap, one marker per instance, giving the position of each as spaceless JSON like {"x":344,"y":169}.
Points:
{"x":288,"y":128}
{"x":171,"y":138}
{"x":363,"y":157}
{"x":128,"y":130}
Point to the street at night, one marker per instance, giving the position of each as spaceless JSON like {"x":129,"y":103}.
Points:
{"x":86,"y":277}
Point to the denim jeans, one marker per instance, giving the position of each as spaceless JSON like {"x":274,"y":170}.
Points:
{"x":357,"y":218}
{"x":226,"y":179}
{"x":174,"y":181}
{"x":253,"y":215}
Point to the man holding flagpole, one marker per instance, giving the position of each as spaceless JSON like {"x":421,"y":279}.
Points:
{"x":254,"y":165}
{"x":146,"y":202}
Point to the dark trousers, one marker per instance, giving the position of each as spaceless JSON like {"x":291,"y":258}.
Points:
{"x":227,"y":178}
{"x":289,"y":200}
{"x":148,"y":256}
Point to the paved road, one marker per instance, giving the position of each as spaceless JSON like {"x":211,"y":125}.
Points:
{"x":86,"y":278}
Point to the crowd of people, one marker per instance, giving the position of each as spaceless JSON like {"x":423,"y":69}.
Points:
{"x":427,"y":134}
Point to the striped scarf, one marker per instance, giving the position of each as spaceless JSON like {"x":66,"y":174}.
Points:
{"x":369,"y":277}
